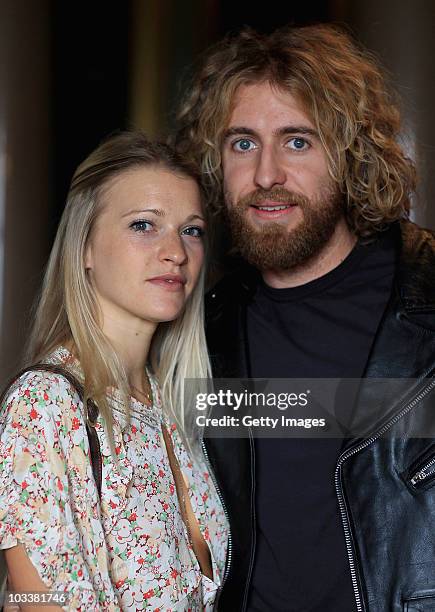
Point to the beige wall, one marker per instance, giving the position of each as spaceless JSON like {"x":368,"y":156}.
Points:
{"x":402,"y":34}
{"x":166,"y":38}
{"x":24,"y":166}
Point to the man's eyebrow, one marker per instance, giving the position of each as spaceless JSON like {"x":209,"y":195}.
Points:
{"x":282,"y":131}
{"x":297,"y":129}
{"x":238,"y":131}
{"x":155,"y":211}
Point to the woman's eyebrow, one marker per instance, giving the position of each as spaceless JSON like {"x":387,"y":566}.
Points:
{"x":159,"y":213}
{"x":155,"y":211}
{"x":192,"y":217}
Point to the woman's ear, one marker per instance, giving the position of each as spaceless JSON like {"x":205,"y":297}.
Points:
{"x":88,"y":257}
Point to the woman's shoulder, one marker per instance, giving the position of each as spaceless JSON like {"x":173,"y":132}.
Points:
{"x":41,"y":386}
{"x":41,"y":391}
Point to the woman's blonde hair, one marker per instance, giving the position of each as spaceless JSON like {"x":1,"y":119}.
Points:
{"x":342,"y":90}
{"x":67,"y":311}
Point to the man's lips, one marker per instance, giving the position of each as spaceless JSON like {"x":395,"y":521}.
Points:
{"x":170,"y":282}
{"x":272,"y":210}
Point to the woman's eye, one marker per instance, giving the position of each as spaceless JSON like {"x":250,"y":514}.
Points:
{"x":141,"y":226}
{"x":298,"y":144}
{"x":194,"y":231}
{"x":243,"y":144}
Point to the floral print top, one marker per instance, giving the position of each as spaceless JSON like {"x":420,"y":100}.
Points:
{"x":129,"y":552}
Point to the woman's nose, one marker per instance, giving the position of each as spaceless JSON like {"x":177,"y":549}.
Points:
{"x":173,"y":249}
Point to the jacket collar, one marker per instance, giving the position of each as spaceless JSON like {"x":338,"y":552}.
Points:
{"x":401,"y":348}
{"x":404,"y":345}
{"x":415,"y":274}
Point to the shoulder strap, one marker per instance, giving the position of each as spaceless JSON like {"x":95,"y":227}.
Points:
{"x":91,"y":415}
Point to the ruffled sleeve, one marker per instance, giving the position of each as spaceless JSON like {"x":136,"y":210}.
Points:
{"x":35,"y":500}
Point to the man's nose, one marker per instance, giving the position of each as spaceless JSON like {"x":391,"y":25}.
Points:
{"x":173,"y":249}
{"x":269,"y":170}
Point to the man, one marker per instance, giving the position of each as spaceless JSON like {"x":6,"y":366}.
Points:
{"x":297,"y":133}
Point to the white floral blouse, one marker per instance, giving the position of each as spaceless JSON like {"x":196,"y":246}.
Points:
{"x":131,"y":552}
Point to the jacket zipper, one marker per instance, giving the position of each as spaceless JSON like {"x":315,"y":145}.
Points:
{"x":423,"y":473}
{"x":339,"y":491}
{"x":254,"y":531}
{"x":230,"y":544}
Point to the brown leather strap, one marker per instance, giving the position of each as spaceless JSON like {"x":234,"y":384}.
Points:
{"x":90,"y":416}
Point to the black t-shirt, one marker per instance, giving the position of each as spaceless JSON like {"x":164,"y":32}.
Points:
{"x":323,"y":329}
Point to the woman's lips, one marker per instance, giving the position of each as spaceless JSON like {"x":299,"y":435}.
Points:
{"x":169,"y":282}
{"x":272,"y":211}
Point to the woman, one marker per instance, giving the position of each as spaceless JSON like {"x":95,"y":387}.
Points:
{"x":122,"y":297}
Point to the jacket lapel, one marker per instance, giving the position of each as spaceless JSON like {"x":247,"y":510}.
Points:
{"x":404,"y":345}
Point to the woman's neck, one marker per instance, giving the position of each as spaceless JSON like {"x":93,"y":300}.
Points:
{"x":134,"y":357}
{"x":132,"y":344}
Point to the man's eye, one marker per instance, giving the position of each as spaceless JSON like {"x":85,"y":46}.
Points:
{"x":244,"y":144}
{"x":298,"y":144}
{"x":194,"y":231}
{"x":141,"y":226}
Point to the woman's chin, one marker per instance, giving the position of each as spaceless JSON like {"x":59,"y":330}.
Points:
{"x":166,"y":315}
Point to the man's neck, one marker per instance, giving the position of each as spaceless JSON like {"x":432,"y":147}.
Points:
{"x":333,"y":253}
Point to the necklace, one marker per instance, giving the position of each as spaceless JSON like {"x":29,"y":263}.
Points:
{"x":148,"y":394}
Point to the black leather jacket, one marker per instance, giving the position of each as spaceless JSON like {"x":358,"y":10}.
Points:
{"x":388,"y":515}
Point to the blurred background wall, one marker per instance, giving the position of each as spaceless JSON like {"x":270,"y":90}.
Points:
{"x":72,"y":72}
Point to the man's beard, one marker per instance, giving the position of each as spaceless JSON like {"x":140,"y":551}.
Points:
{"x":273,"y":246}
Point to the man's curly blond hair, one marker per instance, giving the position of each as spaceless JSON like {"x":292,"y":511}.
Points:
{"x":342,"y":90}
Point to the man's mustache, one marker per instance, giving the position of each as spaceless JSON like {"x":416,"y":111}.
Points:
{"x":279,"y":194}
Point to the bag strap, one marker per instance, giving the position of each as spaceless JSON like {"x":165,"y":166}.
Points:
{"x":91,"y":415}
